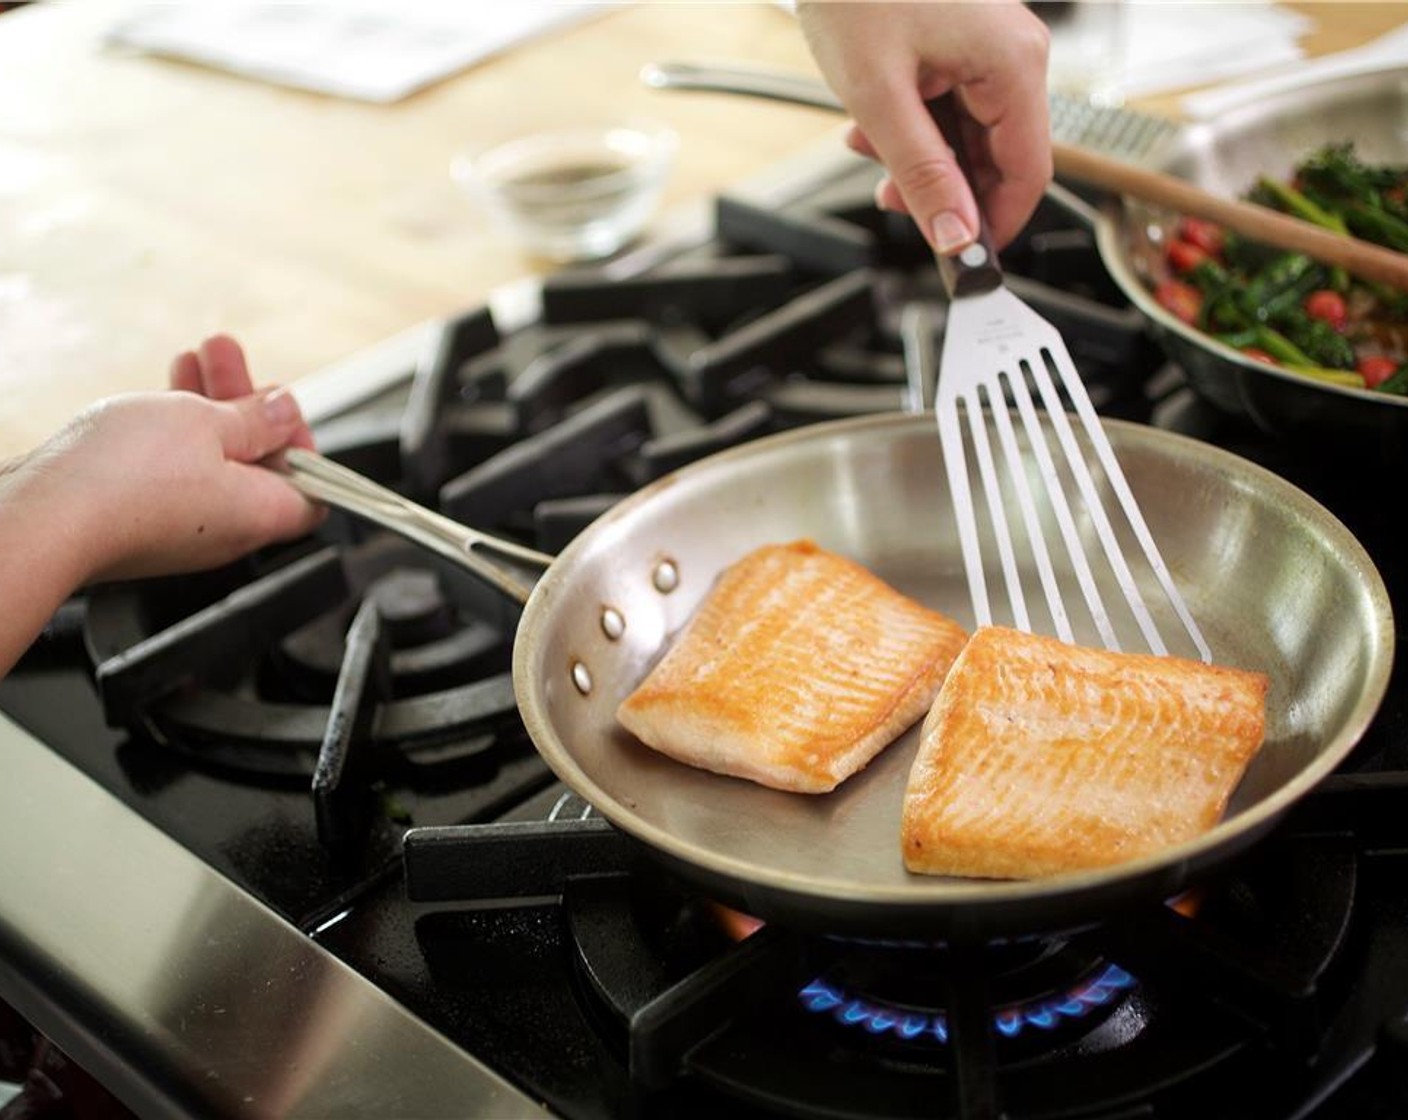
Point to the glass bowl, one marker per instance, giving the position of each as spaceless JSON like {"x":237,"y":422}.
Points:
{"x":573,"y":194}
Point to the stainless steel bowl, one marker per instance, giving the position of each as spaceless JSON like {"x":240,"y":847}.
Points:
{"x":1225,"y":155}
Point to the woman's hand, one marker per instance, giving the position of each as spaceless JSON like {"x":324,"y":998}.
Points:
{"x":884,"y":61}
{"x":170,"y":482}
{"x":145,"y":484}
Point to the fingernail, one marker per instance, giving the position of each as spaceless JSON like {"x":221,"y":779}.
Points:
{"x":950,"y":234}
{"x":281,"y":409}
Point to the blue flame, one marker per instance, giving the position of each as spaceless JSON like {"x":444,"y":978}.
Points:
{"x":823,"y":997}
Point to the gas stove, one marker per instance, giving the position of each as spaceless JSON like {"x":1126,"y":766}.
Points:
{"x":280,"y":844}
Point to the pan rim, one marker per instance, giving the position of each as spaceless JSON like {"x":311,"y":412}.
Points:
{"x":924,"y":893}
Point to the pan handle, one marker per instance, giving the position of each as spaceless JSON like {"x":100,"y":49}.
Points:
{"x":768,"y":84}
{"x":797,"y":89}
{"x":323,"y":480}
{"x":1078,"y":208}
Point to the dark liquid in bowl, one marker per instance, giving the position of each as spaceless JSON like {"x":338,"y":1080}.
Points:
{"x":570,"y":175}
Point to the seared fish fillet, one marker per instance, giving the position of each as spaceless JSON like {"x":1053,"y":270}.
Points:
{"x":1041,"y":757}
{"x":797,"y":669}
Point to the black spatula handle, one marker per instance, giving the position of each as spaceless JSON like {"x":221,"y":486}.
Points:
{"x":975,"y":268}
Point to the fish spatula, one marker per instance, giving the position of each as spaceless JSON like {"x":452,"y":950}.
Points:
{"x":1044,"y":464}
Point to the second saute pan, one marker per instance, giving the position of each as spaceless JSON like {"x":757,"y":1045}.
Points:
{"x":1226,"y":155}
{"x":1276,"y":582}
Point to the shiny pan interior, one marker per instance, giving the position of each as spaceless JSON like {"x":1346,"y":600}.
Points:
{"x":1276,"y":582}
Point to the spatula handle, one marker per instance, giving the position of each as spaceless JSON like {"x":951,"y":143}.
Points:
{"x":976,"y":268}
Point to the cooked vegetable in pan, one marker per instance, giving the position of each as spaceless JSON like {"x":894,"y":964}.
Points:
{"x":1285,"y":308}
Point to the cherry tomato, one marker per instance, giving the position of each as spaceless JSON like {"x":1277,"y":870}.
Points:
{"x":1327,"y":306}
{"x":1184,"y":256}
{"x":1259,"y":355}
{"x":1375,"y":368}
{"x":1183,"y":300}
{"x":1204,"y":234}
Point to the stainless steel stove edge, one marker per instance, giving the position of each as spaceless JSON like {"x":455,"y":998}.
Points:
{"x":183,"y":994}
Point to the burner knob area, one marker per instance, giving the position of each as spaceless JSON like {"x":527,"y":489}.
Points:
{"x":413,"y":607}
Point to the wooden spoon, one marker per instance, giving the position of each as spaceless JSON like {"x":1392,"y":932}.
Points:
{"x":1260,"y":223}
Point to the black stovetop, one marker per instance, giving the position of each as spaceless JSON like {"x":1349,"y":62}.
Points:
{"x":431,"y":849}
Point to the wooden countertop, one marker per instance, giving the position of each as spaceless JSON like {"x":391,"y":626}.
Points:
{"x":145,"y":203}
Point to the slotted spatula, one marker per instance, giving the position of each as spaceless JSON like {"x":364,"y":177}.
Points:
{"x":1006,"y":377}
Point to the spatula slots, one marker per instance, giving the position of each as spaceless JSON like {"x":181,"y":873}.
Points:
{"x":1009,"y":397}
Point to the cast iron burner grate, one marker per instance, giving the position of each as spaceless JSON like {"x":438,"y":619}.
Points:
{"x":1234,"y":1000}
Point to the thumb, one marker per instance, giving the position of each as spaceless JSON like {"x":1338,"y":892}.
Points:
{"x":921,"y":163}
{"x":257,"y":425}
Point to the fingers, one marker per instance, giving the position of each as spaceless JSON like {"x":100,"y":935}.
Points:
{"x":276,"y":511}
{"x":302,"y":437}
{"x":1009,"y":189}
{"x":888,"y":197}
{"x":1019,"y":146}
{"x":903,"y":135}
{"x":218,"y":370}
{"x":224,"y":374}
{"x":185,"y":373}
{"x":255,"y":426}
{"x":885,"y":61}
{"x":859,"y":143}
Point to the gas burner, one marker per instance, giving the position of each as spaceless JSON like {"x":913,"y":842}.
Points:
{"x":899,"y":993}
{"x":369,"y":674}
{"x":441,"y":630}
{"x":1081,"y":1003}
{"x":1151,"y":1006}
{"x":249,"y":680}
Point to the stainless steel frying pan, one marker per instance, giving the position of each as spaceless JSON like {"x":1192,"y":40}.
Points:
{"x":1277,"y":583}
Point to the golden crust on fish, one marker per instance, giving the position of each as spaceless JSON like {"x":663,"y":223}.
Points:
{"x":1040,"y":757}
{"x":797,"y":669}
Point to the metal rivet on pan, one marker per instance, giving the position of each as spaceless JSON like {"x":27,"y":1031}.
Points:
{"x":581,"y":678}
{"x":667,"y":577}
{"x":613,"y":624}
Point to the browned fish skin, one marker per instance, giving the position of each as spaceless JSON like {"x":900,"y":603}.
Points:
{"x":1041,"y":757}
{"x":796,"y":670}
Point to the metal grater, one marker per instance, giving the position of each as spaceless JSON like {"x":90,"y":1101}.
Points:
{"x":1109,"y":129}
{"x":1074,"y":120}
